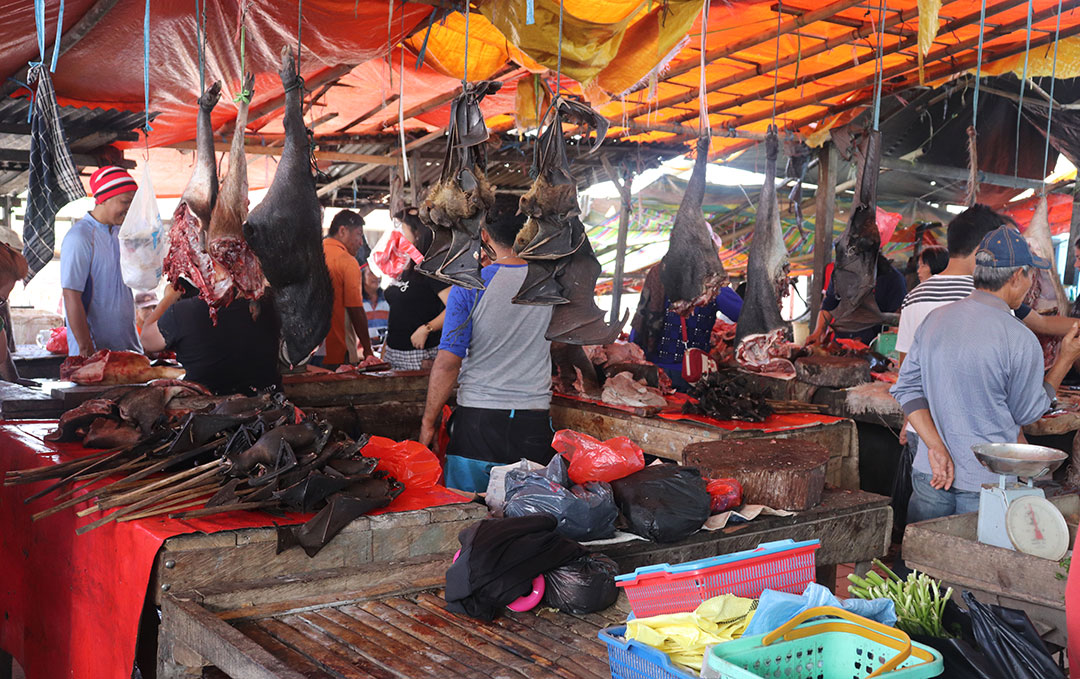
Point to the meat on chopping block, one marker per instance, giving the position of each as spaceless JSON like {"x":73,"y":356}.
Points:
{"x":115,"y":367}
{"x":839,"y":372}
{"x":285,"y":232}
{"x":778,"y":473}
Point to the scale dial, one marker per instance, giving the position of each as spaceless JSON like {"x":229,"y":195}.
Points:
{"x":1036,"y":527}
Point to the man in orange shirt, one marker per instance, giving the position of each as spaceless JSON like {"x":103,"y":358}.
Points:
{"x":341,"y":245}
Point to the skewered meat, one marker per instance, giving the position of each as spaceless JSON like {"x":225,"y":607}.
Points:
{"x":285,"y":233}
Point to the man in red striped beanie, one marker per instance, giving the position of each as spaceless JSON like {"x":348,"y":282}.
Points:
{"x":99,"y":309}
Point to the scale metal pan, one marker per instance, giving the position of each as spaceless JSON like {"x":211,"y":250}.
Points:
{"x":1018,"y":459}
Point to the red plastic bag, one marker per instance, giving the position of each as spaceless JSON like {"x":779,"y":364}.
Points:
{"x":398,"y":251}
{"x":57,"y":343}
{"x":407,"y":461}
{"x":592,"y":460}
{"x":725,"y":493}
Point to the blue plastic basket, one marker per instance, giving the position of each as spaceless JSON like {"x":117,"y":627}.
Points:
{"x":630,"y":659}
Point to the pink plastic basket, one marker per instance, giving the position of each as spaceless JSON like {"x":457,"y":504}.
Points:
{"x":785,"y":566}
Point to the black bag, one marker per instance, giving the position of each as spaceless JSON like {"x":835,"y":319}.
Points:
{"x":1007,"y":637}
{"x":584,"y":512}
{"x":586,"y":585}
{"x":663,"y":502}
{"x":901,"y":491}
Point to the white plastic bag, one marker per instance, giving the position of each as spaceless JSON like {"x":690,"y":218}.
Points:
{"x":143,"y":240}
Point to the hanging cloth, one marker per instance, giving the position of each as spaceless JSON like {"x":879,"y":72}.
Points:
{"x":54,"y":182}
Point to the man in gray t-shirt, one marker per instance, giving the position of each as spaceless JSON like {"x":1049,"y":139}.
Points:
{"x":975,"y":374}
{"x":497,"y":353}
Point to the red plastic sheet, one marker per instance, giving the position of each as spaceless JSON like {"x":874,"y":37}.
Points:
{"x":71,"y":603}
{"x":773,"y":423}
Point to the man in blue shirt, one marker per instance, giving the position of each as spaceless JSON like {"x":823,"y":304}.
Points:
{"x":497,"y":353}
{"x":99,"y":310}
{"x":975,"y":374}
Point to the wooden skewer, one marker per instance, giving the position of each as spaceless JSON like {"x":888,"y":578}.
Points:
{"x":196,"y":497}
{"x":153,"y":499}
{"x":126,"y":498}
{"x":91,"y":479}
{"x":73,"y":475}
{"x":221,"y":509}
{"x":15,"y":476}
{"x":79,"y":499}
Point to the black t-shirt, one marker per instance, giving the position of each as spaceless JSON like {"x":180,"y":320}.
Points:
{"x":237,"y":355}
{"x":414,"y":300}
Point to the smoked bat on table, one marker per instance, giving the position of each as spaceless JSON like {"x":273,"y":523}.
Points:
{"x":285,"y":233}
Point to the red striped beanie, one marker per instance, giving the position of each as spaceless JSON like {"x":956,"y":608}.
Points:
{"x":110,"y":181}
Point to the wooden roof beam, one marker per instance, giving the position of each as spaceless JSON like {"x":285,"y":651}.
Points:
{"x":835,"y":19}
{"x":942,"y":69}
{"x":833,"y":43}
{"x":789,"y":26}
{"x":909,"y":41}
{"x":396,"y":155}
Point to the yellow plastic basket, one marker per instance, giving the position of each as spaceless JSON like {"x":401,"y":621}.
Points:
{"x":854,"y":648}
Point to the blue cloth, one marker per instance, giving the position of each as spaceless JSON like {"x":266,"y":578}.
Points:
{"x":457,"y":324}
{"x":90,"y":264}
{"x":890,"y":288}
{"x":776,"y":608}
{"x":699,"y":325}
{"x":466,"y":474}
{"x":974,"y":354}
{"x":928,"y":502}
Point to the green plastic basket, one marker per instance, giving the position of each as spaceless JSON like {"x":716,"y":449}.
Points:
{"x":855,"y":648}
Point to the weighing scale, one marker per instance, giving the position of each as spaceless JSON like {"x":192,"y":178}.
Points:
{"x":1018,"y":516}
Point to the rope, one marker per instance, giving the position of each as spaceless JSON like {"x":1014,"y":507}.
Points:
{"x":300,"y":31}
{"x":703,"y":103}
{"x":879,"y":75}
{"x":401,"y":105}
{"x":56,"y":45}
{"x":776,"y":71}
{"x":1050,"y":113}
{"x":978,"y":66}
{"x":1023,"y":84}
{"x":243,"y":95}
{"x":146,"y":68}
{"x":39,"y":22}
{"x":200,"y":38}
{"x":558,"y":62}
{"x":530,"y":12}
{"x":465,"y":72}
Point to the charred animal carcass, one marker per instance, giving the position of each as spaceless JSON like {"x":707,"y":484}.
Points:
{"x":285,"y":233}
{"x":692,"y":272}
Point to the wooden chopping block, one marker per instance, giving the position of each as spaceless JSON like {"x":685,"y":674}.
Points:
{"x":778,"y":473}
{"x":839,"y":372}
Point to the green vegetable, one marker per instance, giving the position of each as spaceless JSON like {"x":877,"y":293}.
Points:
{"x":917,"y":599}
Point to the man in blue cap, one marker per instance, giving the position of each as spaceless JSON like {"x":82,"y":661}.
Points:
{"x":975,"y":374}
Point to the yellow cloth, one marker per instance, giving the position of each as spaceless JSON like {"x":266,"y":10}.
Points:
{"x":1040,"y":62}
{"x":684,"y":637}
{"x":928,"y":24}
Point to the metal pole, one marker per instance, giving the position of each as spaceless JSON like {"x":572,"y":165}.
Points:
{"x":620,"y":250}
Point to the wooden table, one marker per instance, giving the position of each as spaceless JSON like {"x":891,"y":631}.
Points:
{"x":406,"y":635}
{"x":24,"y":403}
{"x":667,"y":438}
{"x":34,"y":362}
{"x":389,"y":403}
{"x":853,"y":527}
{"x":948,"y":549}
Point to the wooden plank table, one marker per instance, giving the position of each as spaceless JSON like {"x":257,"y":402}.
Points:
{"x":331,"y":389}
{"x":853,"y":527}
{"x":409,"y":635}
{"x":667,"y":438}
{"x":948,"y":549}
{"x":24,"y":403}
{"x":34,"y":362}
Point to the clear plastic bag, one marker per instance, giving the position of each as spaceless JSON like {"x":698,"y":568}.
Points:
{"x":143,"y":239}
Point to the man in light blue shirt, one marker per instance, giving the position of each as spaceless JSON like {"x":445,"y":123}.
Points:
{"x":99,"y":310}
{"x":975,"y":374}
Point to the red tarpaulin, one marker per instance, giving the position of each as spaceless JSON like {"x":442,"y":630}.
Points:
{"x":1059,"y":211}
{"x":71,"y":603}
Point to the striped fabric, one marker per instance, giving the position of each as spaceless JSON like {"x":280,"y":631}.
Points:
{"x":54,"y":182}
{"x":940,"y":290}
{"x":110,"y":181}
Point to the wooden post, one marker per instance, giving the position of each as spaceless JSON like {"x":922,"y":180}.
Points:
{"x":623,"y":185}
{"x":1074,"y":233}
{"x":823,"y":226}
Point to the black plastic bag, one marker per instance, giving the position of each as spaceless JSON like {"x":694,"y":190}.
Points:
{"x":901,"y":490}
{"x":663,"y":502}
{"x":584,"y":513}
{"x":586,"y":585}
{"x":962,"y":660}
{"x":1007,"y":637}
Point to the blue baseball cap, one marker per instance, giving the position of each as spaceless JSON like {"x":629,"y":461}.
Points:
{"x":1009,"y":249}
